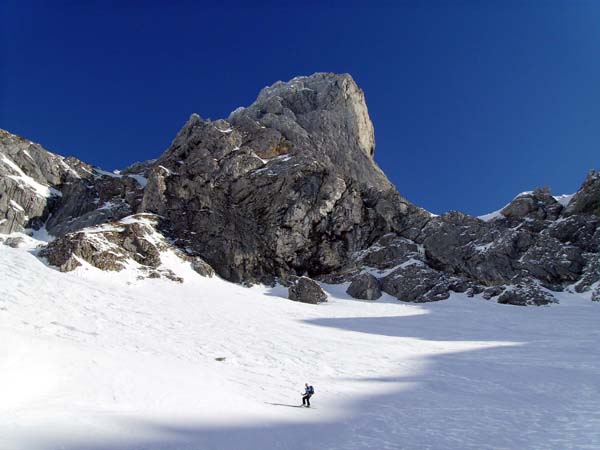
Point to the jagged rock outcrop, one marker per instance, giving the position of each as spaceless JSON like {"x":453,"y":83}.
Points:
{"x":531,"y":247}
{"x":27,"y":174}
{"x":97,"y":199}
{"x":382,"y":256}
{"x":285,"y":186}
{"x":39,"y":188}
{"x":538,"y":205}
{"x":526,"y":293}
{"x":305,"y":290}
{"x":131,"y":242}
{"x":417,"y":282}
{"x":288,"y":187}
{"x":587,"y":198}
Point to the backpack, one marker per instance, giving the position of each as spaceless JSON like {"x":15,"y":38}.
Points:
{"x":311,"y":390}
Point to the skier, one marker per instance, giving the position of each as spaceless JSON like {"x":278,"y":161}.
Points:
{"x":308,"y":392}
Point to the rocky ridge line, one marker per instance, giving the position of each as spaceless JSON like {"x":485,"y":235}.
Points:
{"x":288,"y":187}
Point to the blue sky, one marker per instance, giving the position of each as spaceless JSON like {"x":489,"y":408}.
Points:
{"x":472,"y":102}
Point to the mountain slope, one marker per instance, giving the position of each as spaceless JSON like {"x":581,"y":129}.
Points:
{"x":97,"y":360}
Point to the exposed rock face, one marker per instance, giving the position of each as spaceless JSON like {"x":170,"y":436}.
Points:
{"x":64,"y":194}
{"x":587,"y":198}
{"x":539,"y":204}
{"x":365,"y":286}
{"x":288,"y":186}
{"x":285,"y":186}
{"x":324,"y":115}
{"x":97,"y":199}
{"x":385,"y":254}
{"x":305,"y":290}
{"x":493,"y":291}
{"x":27,"y":173}
{"x":417,"y":283}
{"x":591,"y":274}
{"x":134,"y":241}
{"x":533,"y":246}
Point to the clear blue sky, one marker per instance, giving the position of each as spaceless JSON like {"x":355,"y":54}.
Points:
{"x":472,"y":102}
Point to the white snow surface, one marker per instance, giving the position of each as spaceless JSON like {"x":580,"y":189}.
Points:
{"x":141,"y":180}
{"x":16,"y":206}
{"x":101,"y":172}
{"x":492,"y":216}
{"x":564,"y":199}
{"x":94,"y":360}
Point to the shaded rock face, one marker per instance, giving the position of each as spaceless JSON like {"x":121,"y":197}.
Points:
{"x":202,"y":267}
{"x":497,"y":253}
{"x":587,"y":198}
{"x":97,"y":199}
{"x":365,"y":287}
{"x":285,"y":186}
{"x":305,"y":290}
{"x":288,"y":186}
{"x":534,"y":247}
{"x":417,"y":283}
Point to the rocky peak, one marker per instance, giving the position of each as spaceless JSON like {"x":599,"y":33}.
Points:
{"x":322,"y":92}
{"x":323,"y":116}
{"x":587,"y":198}
{"x":40,"y":188}
{"x":538,"y":204}
{"x":286,"y":186}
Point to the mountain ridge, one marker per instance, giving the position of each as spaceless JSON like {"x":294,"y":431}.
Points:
{"x":288,"y":186}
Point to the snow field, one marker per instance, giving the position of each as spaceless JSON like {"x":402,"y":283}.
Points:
{"x":95,"y":360}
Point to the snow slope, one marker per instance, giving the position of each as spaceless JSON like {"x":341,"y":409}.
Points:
{"x":93,"y":360}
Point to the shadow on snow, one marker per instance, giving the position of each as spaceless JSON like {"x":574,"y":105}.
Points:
{"x":541,"y":392}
